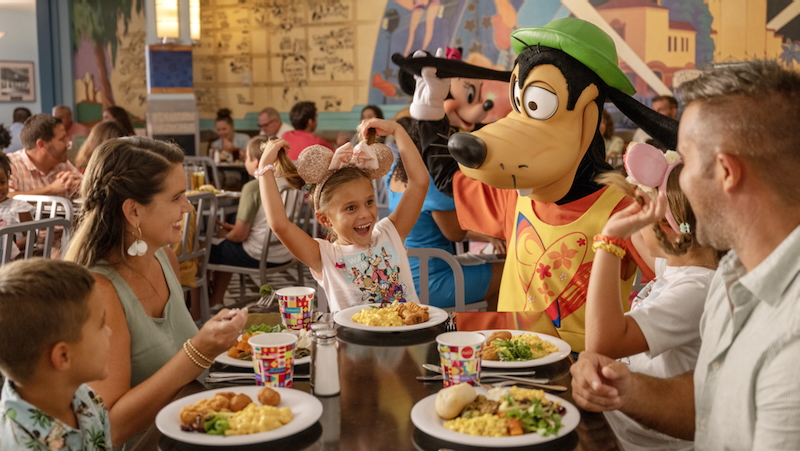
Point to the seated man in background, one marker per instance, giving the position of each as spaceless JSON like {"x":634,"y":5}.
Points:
{"x":666,"y":105}
{"x":41,"y":167}
{"x":244,"y":240}
{"x":270,"y":123}
{"x":304,"y":119}
{"x":738,"y":140}
{"x":19,"y":117}
{"x":72,"y":129}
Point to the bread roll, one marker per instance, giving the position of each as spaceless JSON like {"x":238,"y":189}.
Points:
{"x":451,"y":401}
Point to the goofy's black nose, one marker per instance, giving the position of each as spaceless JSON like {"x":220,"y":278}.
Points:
{"x":488,"y":105}
{"x":467,"y":149}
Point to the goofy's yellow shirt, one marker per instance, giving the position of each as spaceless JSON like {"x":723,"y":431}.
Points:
{"x":549,"y":246}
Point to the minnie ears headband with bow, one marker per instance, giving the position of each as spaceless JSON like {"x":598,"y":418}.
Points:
{"x":316,"y":164}
{"x":650,"y":168}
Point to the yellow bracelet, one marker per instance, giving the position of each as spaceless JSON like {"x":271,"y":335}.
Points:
{"x":191,"y":357}
{"x":200,"y":354}
{"x":608,"y":247}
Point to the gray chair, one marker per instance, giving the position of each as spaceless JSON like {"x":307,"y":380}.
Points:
{"x":32,"y":230}
{"x":292,"y":200}
{"x":205,"y":205}
{"x":426,"y":253}
{"x":45,"y":206}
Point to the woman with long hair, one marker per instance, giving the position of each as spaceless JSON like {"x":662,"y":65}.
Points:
{"x":134,"y":200}
{"x":100,"y":133}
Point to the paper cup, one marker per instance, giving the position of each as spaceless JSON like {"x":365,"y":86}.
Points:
{"x":295,"y":304}
{"x":460,"y":357}
{"x":273,"y":358}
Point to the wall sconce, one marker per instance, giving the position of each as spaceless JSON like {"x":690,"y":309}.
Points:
{"x":167,"y":19}
{"x":2,"y":33}
{"x":194,"y":19}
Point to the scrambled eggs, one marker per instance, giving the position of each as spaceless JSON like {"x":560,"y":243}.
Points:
{"x":533,"y":341}
{"x":254,"y":419}
{"x":486,"y":425}
{"x":381,"y":317}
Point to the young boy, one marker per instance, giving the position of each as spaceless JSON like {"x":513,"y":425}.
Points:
{"x":53,"y":339}
{"x":244,"y":240}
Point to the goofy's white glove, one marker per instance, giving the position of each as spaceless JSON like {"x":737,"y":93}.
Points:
{"x":430,"y":93}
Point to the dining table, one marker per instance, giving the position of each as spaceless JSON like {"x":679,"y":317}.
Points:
{"x":378,"y":381}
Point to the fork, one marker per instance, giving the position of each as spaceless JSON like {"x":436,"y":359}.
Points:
{"x":266,"y":301}
{"x":450,"y":324}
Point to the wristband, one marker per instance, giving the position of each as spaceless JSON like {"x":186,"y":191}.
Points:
{"x":610,"y":239}
{"x":263,"y":170}
{"x":609,"y":247}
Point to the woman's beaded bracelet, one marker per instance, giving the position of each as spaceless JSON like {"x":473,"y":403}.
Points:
{"x":191,"y":357}
{"x":609,"y":247}
{"x":202,"y":356}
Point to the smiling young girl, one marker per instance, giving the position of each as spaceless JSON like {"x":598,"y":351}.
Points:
{"x":363,"y":260}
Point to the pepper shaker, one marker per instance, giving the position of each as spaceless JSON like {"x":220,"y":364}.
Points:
{"x":324,"y":363}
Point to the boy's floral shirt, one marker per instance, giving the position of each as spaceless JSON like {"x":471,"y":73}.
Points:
{"x":24,"y":427}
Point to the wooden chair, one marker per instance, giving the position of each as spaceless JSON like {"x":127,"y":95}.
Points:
{"x":292,"y":200}
{"x":426,"y":253}
{"x":45,"y":206}
{"x":196,"y":227}
{"x":31,"y":230}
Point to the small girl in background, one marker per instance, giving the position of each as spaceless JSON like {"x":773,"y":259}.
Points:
{"x":12,"y":211}
{"x":363,"y":260}
{"x":661,"y":333}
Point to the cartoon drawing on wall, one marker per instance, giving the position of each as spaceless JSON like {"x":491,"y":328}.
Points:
{"x":108,"y":48}
{"x":656,"y":39}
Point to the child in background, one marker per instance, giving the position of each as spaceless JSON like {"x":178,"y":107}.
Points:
{"x":364,"y":259}
{"x":244,"y":240}
{"x":661,"y":333}
{"x":53,"y":339}
{"x":12,"y":211}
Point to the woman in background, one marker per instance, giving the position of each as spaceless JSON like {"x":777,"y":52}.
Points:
{"x":229,"y":141}
{"x":119,"y":115}
{"x":101,"y":133}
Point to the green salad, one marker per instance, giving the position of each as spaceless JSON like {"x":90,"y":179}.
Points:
{"x":533,"y":415}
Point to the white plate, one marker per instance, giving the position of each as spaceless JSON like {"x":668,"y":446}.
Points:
{"x":563,"y":351}
{"x":306,"y":410}
{"x":344,"y":318}
{"x":424,"y":417}
{"x":225,"y":360}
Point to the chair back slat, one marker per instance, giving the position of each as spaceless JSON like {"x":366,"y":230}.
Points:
{"x":425,"y":253}
{"x":48,"y":206}
{"x":31,"y":230}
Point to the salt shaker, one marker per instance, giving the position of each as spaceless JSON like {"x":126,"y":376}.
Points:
{"x":324,"y":363}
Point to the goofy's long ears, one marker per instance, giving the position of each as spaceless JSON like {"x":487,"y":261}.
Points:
{"x":662,"y":128}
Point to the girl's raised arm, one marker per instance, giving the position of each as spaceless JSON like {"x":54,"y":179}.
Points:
{"x":302,"y":246}
{"x":405,"y":215}
{"x":608,"y":330}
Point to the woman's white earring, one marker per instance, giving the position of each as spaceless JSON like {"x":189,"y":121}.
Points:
{"x":138,"y":247}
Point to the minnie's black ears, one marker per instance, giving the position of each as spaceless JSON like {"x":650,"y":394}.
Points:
{"x":445,"y":68}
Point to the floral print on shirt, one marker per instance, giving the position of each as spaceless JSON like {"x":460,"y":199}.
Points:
{"x":24,"y":426}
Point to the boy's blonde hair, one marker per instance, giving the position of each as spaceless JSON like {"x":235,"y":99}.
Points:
{"x":254,"y":149}
{"x":42,"y":302}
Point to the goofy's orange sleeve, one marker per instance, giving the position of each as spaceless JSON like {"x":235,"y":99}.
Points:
{"x":484,"y":209}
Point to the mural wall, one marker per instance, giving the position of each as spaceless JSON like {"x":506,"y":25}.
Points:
{"x":258,"y":53}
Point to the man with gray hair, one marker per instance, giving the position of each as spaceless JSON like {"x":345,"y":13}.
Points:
{"x":72,"y":129}
{"x":738,"y":139}
{"x":269,"y":121}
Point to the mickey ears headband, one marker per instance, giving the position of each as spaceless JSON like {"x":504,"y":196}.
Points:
{"x":649,"y":167}
{"x":316,"y":164}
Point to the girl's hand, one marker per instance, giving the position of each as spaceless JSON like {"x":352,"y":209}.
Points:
{"x":624,"y":223}
{"x":220,"y":332}
{"x":270,"y":154}
{"x":382,"y":127}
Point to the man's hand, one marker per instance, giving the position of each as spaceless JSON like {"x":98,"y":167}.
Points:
{"x":430,"y":93}
{"x":600,"y":383}
{"x":70,"y":181}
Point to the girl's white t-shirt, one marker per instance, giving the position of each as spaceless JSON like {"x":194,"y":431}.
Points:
{"x":353,"y":275}
{"x":668,"y":312}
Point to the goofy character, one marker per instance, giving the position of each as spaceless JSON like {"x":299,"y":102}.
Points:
{"x":529,"y":178}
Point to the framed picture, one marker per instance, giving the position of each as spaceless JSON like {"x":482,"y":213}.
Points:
{"x":17,"y":81}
